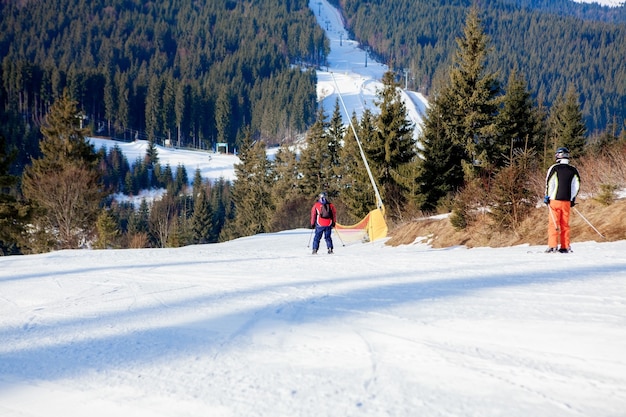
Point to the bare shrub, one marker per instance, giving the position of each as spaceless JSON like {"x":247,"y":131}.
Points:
{"x":138,"y":240}
{"x":603,"y":169}
{"x":512,"y":191}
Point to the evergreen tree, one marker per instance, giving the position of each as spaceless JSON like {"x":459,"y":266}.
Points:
{"x":106,"y":230}
{"x":291,"y":206}
{"x":164,"y":177}
{"x":472,"y":97}
{"x":130,"y":185}
{"x":517,"y":125}
{"x":182,"y":179}
{"x":13,"y":214}
{"x":356,"y":187}
{"x":202,"y":219}
{"x":315,"y":163}
{"x":223,"y":116}
{"x":393,"y":146}
{"x":153,"y":104}
{"x":138,"y":220}
{"x":198,"y":183}
{"x":222,"y":205}
{"x":335,"y":135}
{"x":152,"y":155}
{"x":69,"y":207}
{"x":460,"y":130}
{"x":566,"y":124}
{"x":251,"y":192}
{"x":441,"y":172}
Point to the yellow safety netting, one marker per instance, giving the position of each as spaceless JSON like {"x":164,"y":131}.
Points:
{"x":371,"y":228}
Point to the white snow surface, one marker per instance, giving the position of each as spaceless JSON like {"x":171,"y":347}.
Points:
{"x":259,"y":327}
{"x":608,"y":3}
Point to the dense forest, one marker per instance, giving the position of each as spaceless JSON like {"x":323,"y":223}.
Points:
{"x":191,"y":73}
{"x":553,"y":44}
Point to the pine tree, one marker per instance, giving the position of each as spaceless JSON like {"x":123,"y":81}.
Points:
{"x":441,"y":172}
{"x":197,"y":183}
{"x":393,"y":146}
{"x":314,"y":158}
{"x":68,"y":207}
{"x":251,"y":192}
{"x":182,"y":179}
{"x":153,"y":104}
{"x":107,"y":231}
{"x":566,"y":124}
{"x":151,"y":159}
{"x":516,"y":124}
{"x":13,"y":213}
{"x":460,"y":130}
{"x":138,"y":229}
{"x":473,"y":97}
{"x":335,"y":135}
{"x":222,"y":205}
{"x":223,"y":116}
{"x":202,"y":219}
{"x":356,"y":188}
{"x":291,"y":206}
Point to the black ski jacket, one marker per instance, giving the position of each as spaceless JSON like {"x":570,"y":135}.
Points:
{"x":562,"y":181}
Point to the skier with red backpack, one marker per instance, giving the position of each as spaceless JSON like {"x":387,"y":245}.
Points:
{"x":323,"y":219}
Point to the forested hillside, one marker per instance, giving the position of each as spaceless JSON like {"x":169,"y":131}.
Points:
{"x":513,"y":84}
{"x":194,"y":73}
{"x":553,"y":44}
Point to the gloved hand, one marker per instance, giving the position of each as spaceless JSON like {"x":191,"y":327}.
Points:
{"x":312,"y":226}
{"x":573,"y":202}
{"x":546,"y":199}
{"x":332,"y":224}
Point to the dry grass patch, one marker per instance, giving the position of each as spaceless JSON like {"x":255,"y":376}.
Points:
{"x":439,"y":233}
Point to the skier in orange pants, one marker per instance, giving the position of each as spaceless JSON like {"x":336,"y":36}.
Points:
{"x":562,"y":186}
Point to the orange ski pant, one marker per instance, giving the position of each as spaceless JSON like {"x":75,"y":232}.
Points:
{"x":558,"y":224}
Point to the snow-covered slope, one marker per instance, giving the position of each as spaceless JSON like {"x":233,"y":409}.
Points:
{"x":259,"y":327}
{"x":212,"y":165}
{"x":609,"y":3}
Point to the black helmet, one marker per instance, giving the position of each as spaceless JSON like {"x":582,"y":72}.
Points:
{"x":561,"y":153}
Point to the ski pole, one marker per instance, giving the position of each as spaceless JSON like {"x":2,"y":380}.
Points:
{"x":589,"y":223}
{"x":310,"y":236}
{"x":339,"y":236}
{"x":556,"y":226}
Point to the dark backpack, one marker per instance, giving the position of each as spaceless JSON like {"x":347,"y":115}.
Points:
{"x":325,"y":211}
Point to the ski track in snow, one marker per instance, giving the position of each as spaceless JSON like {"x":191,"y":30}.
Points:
{"x":259,"y":327}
